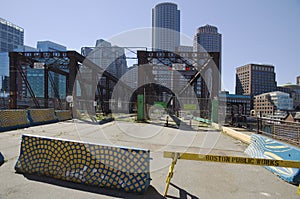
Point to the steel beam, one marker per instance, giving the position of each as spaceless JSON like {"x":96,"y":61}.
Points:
{"x":13,"y":80}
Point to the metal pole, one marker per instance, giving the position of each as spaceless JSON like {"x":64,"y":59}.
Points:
{"x":144,"y":112}
{"x":298,"y":138}
{"x":170,"y":174}
{"x":257,"y":120}
{"x":274,"y":131}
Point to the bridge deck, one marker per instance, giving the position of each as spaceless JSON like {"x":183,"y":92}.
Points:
{"x":193,"y":179}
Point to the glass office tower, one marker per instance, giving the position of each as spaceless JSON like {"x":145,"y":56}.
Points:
{"x":165,"y":27}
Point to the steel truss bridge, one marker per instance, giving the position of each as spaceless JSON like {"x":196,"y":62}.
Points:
{"x":201,"y":72}
{"x":80,"y":75}
{"x":89,"y":84}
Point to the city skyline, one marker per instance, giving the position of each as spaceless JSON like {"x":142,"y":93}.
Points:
{"x":268,"y":34}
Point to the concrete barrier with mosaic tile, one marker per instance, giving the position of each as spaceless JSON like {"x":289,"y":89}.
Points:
{"x":104,"y":166}
{"x":1,"y":159}
{"x":63,"y":115}
{"x":41,"y":116}
{"x":13,"y":119}
{"x":265,"y":147}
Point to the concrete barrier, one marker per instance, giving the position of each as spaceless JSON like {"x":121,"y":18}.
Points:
{"x":92,"y":164}
{"x":263,"y":147}
{"x":1,"y":159}
{"x":216,"y":126}
{"x":106,"y":120}
{"x":41,"y":116}
{"x":199,"y":119}
{"x":237,"y":135}
{"x":63,"y":115}
{"x":13,"y":119}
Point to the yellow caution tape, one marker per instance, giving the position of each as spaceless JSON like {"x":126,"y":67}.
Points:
{"x":233,"y":159}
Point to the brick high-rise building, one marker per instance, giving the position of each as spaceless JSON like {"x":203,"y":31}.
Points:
{"x":255,"y":79}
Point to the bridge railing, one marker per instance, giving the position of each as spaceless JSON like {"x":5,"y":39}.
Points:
{"x":277,"y":129}
{"x":280,"y":130}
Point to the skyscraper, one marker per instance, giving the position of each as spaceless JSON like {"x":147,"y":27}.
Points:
{"x":165,"y":27}
{"x":255,"y":79}
{"x":111,"y":58}
{"x":11,"y":36}
{"x":208,"y":39}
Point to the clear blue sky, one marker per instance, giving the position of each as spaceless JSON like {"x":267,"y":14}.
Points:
{"x":256,"y":31}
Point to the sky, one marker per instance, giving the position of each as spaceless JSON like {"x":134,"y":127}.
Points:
{"x":253,"y":31}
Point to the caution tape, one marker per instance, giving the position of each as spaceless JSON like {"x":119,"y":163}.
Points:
{"x":233,"y":159}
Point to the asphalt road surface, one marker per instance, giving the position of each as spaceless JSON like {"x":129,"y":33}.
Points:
{"x":191,"y":179}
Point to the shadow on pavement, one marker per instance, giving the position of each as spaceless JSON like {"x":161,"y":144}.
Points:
{"x":179,"y":124}
{"x":182,"y":125}
{"x":150,"y":193}
{"x":183,"y":194}
{"x":207,"y":130}
{"x":92,"y":121}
